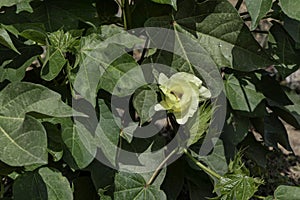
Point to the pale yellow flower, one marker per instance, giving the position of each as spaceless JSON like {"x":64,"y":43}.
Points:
{"x":182,"y":94}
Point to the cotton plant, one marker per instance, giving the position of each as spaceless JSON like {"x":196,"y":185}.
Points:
{"x":182,"y":93}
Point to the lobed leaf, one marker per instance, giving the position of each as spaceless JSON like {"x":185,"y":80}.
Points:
{"x":133,"y":186}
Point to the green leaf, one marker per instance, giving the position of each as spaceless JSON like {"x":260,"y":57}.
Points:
{"x":5,"y":39}
{"x":102,"y":176}
{"x":133,"y":186}
{"x":28,"y":52}
{"x":173,"y":3}
{"x":144,"y":102}
{"x":198,"y":124}
{"x":283,"y":48}
{"x":32,"y":31}
{"x":94,"y":58}
{"x":284,"y":192}
{"x":242,"y":94}
{"x":290,"y":7}
{"x":58,"y":187}
{"x":23,"y":144}
{"x":193,"y":56}
{"x":292,"y":26}
{"x":237,"y":186}
{"x":122,"y":77}
{"x":218,"y":28}
{"x":216,"y":160}
{"x":21,"y":4}
{"x":54,"y":139}
{"x":60,"y":44}
{"x":80,"y":144}
{"x":107,"y":133}
{"x":275,"y":132}
{"x":42,"y":184}
{"x":24,"y":137}
{"x":236,"y":129}
{"x":128,"y":131}
{"x":257,"y":10}
{"x":11,"y":74}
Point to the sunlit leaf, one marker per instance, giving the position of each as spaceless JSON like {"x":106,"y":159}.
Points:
{"x":23,"y":140}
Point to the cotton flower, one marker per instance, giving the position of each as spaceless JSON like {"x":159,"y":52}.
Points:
{"x":182,"y":93}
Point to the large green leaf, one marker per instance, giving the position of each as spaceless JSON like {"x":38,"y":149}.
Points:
{"x":97,"y":52}
{"x":290,"y":7}
{"x":23,"y":144}
{"x":21,"y":4}
{"x":80,"y":144}
{"x":220,"y":30}
{"x":173,"y":3}
{"x":122,"y":77}
{"x":242,"y":94}
{"x":43,"y":184}
{"x":284,"y":192}
{"x":133,"y":186}
{"x":23,"y":140}
{"x":188,"y":53}
{"x":257,"y":10}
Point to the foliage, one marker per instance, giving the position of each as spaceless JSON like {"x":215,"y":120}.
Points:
{"x":68,"y":68}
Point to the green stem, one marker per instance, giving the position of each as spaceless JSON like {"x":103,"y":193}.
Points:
{"x":203,"y":167}
{"x":126,"y":14}
{"x":259,"y":197}
{"x":156,"y":172}
{"x":2,"y":190}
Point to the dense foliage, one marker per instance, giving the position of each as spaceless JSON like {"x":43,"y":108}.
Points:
{"x":67,"y":68}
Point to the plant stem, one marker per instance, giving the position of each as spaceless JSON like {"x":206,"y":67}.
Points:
{"x":126,"y":13}
{"x":156,"y":172}
{"x":1,"y":188}
{"x":203,"y":167}
{"x":259,"y":197}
